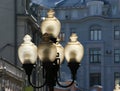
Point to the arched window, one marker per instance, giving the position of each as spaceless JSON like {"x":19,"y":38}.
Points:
{"x":95,"y":32}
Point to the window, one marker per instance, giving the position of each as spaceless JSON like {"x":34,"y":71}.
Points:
{"x":95,"y":79}
{"x":95,"y":55}
{"x":95,"y":7}
{"x":117,"y":55}
{"x":117,"y":78}
{"x":114,"y":9}
{"x":117,"y":32}
{"x":62,"y":36}
{"x":95,"y":32}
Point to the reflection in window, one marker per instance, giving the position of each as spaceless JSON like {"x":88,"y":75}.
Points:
{"x":117,"y":55}
{"x":95,"y":32}
{"x":95,"y":55}
{"x":117,"y":32}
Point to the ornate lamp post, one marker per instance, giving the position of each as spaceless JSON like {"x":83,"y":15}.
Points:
{"x":51,"y":53}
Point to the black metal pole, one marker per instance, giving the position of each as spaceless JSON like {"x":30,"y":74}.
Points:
{"x":51,"y":69}
{"x":51,"y":88}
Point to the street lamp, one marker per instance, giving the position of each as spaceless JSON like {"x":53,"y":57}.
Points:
{"x":51,"y":53}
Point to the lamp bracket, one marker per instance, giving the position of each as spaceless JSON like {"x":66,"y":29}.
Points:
{"x":28,"y":70}
{"x":73,"y":65}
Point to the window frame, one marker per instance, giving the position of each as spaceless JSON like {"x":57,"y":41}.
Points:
{"x":116,"y":29}
{"x":94,"y":53}
{"x":62,"y":36}
{"x":116,"y":54}
{"x":95,"y":33}
{"x":93,"y":77}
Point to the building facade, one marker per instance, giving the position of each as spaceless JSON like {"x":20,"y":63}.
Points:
{"x":16,"y":20}
{"x":97,"y":23}
{"x":11,"y":77}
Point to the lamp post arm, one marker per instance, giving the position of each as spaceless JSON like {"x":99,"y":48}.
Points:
{"x":73,"y":68}
{"x":28,"y":70}
{"x":34,"y":85}
{"x":65,"y":86}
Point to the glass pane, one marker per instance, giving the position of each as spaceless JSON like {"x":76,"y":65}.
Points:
{"x":99,"y":35}
{"x":95,"y":55}
{"x":117,"y":74}
{"x":117,"y":51}
{"x":91,"y":36}
{"x":95,"y":79}
{"x":95,"y":58}
{"x":95,"y":52}
{"x":95,"y":32}
{"x":91,"y":58}
{"x":117,"y":58}
{"x":117,"y":33}
{"x":95,"y":35}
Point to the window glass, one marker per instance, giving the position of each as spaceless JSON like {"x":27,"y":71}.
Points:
{"x":117,"y":32}
{"x":95,"y":32}
{"x":62,"y":36}
{"x":95,"y":55}
{"x":95,"y":79}
{"x":117,"y":55}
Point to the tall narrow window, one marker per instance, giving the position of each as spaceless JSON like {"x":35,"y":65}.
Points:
{"x":95,"y":79}
{"x":117,"y":77}
{"x":95,"y":55}
{"x":117,"y":32}
{"x":95,"y":32}
{"x":117,"y":55}
{"x":62,"y":36}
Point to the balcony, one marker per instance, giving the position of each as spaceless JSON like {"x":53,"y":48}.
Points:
{"x":11,"y":77}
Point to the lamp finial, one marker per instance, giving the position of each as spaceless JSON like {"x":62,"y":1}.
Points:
{"x":73,"y":37}
{"x":51,"y":13}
